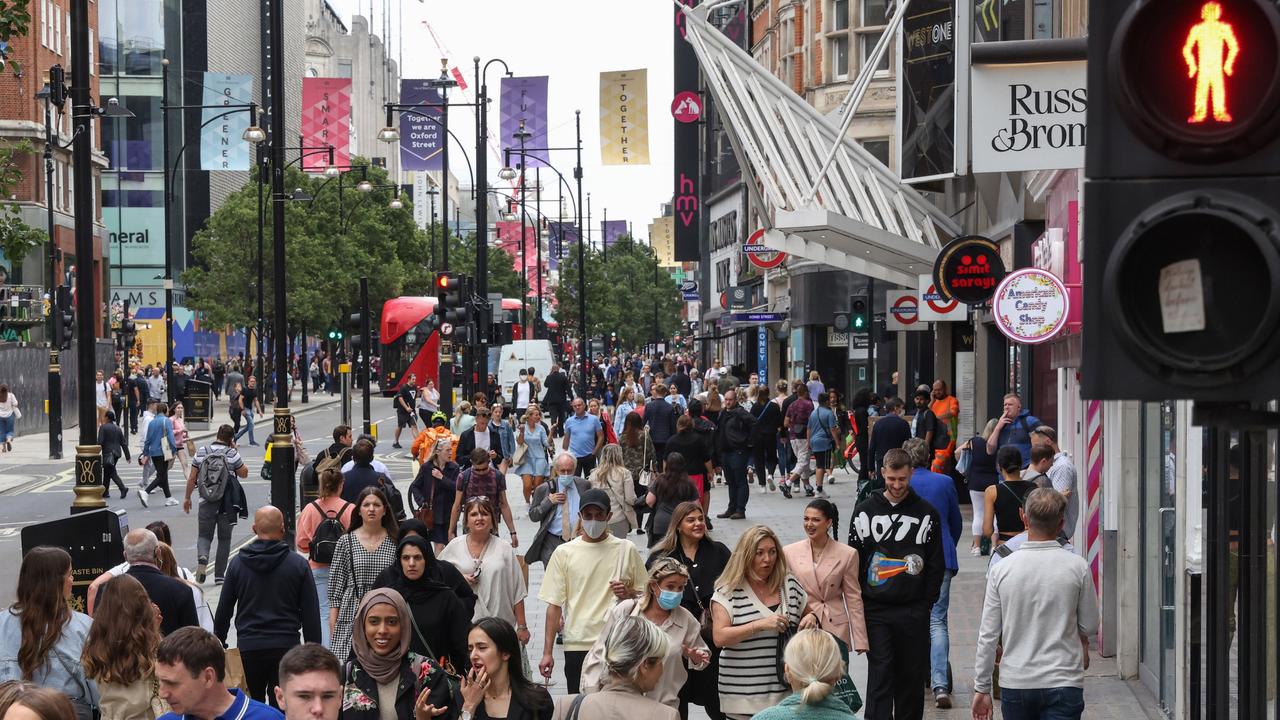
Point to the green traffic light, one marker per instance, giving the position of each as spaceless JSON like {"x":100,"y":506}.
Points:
{"x":859,"y":322}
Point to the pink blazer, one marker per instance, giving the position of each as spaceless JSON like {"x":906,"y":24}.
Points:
{"x":832,"y":586}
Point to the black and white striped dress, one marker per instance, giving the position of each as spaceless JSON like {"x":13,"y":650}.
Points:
{"x":748,"y":671}
{"x":353,"y":572}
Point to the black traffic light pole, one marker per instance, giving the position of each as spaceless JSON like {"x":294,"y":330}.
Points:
{"x":55,"y":311}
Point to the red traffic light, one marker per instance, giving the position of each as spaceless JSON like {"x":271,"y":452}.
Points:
{"x":1199,"y":79}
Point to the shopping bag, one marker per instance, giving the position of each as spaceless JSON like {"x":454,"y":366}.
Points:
{"x":234,"y":676}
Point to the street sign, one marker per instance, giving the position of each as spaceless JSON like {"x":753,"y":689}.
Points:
{"x":761,"y":317}
{"x":837,"y":339}
{"x":762,"y":256}
{"x":936,"y":307}
{"x":762,"y":354}
{"x":739,"y":297}
{"x":904,"y":310}
{"x":686,"y":107}
{"x":689,"y":286}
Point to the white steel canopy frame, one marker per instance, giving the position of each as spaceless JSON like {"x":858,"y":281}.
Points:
{"x":831,"y":201}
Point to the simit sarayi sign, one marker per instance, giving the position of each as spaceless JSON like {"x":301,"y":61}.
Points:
{"x":1028,"y":117}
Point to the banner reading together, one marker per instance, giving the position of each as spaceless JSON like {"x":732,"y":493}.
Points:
{"x":624,"y":117}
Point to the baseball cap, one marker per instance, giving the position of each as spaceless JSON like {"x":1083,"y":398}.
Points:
{"x":597,"y":497}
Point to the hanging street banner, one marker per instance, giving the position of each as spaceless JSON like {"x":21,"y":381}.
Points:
{"x":222,"y":143}
{"x":509,"y":241}
{"x":687,"y":172}
{"x":624,"y":117}
{"x":662,"y":240}
{"x":561,"y":237}
{"x":612,"y":230}
{"x":524,"y":98}
{"x":326,"y":120}
{"x":422,"y":139}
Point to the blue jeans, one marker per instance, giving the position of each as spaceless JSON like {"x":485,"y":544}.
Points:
{"x":735,"y":475}
{"x":939,"y":641}
{"x":321,"y":577}
{"x":1061,"y":703}
{"x":784,"y":458}
{"x":248,"y":426}
{"x":6,"y":428}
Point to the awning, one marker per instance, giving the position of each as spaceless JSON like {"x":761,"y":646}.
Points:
{"x":862,"y":219}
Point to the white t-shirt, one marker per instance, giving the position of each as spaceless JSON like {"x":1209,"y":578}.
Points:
{"x":522,"y":394}
{"x":102,"y":394}
{"x":482,"y":439}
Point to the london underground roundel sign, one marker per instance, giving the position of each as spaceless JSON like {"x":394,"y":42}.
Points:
{"x":1199,"y":80}
{"x":762,"y":256}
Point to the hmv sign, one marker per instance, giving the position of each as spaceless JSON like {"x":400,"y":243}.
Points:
{"x":1028,"y":117}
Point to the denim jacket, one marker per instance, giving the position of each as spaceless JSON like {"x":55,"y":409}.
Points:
{"x":160,"y":428}
{"x":62,"y":671}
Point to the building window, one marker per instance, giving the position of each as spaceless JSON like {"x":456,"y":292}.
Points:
{"x":722,"y":276}
{"x":837,"y":40}
{"x":871,"y":27}
{"x":344,"y":68}
{"x":44,"y":22}
{"x":878,"y":147}
{"x":787,"y":49}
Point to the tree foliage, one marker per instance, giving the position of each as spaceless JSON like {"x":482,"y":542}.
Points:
{"x":16,"y":237}
{"x":15,"y":22}
{"x":623,"y":295}
{"x":331,"y":241}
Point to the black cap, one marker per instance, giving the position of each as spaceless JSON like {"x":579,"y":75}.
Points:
{"x":597,"y":497}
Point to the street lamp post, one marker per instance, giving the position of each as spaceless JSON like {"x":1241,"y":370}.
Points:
{"x":53,"y":93}
{"x":481,"y":181}
{"x":88,"y":469}
{"x":582,"y":270}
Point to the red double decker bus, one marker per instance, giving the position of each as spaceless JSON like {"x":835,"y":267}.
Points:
{"x":410,"y":344}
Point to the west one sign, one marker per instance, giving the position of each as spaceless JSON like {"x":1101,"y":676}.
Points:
{"x":1028,"y":117}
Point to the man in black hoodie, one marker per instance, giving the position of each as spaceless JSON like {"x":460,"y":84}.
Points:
{"x":270,"y":590}
{"x":898,"y":536}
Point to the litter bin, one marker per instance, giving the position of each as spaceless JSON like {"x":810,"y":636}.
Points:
{"x":95,"y":540}
{"x":198,"y":403}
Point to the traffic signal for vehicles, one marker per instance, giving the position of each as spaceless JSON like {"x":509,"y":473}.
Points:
{"x":450,"y":305}
{"x":1182,"y":284}
{"x":354,"y":324}
{"x":66,"y":316}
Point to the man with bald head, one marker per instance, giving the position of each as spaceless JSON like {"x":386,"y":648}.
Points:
{"x":270,"y":591}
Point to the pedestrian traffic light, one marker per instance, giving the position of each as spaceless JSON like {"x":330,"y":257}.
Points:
{"x":859,"y":314}
{"x":66,"y":316}
{"x":840,"y":321}
{"x":335,"y":334}
{"x":354,"y":325}
{"x":1182,"y":284}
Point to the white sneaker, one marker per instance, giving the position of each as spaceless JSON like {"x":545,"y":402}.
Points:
{"x":171,"y":502}
{"x":772,"y":487}
{"x":143,"y":498}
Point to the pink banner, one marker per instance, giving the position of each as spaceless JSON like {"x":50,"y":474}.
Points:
{"x":326,"y":120}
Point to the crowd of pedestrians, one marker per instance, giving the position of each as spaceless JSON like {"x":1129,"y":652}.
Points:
{"x":419,"y":606}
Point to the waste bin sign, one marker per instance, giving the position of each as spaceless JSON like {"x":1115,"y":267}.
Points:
{"x":95,"y":540}
{"x":198,"y":402}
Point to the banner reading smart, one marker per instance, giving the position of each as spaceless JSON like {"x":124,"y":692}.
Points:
{"x":326,"y":120}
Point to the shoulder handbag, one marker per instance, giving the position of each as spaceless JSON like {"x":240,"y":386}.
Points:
{"x":784,"y":636}
{"x":646,"y":472}
{"x":85,"y":705}
{"x":575,"y":707}
{"x":425,"y":513}
{"x":445,"y":665}
{"x":704,"y":621}
{"x":522,"y":451}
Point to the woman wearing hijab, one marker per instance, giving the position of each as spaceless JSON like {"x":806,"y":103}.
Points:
{"x":384,"y":681}
{"x":435,"y":612}
{"x":439,"y":571}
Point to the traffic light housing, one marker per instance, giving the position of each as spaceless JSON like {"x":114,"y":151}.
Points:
{"x":66,"y":316}
{"x":859,"y":314}
{"x":450,"y":306}
{"x":335,"y":334}
{"x":1182,"y":283}
{"x":355,"y":323}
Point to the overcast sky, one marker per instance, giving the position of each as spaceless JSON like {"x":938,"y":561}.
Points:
{"x":572,"y":41}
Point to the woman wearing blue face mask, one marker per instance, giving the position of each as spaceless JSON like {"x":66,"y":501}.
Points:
{"x":660,"y":604}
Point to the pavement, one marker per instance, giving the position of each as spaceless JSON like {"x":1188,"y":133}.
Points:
{"x":29,"y":465}
{"x":1106,"y":695}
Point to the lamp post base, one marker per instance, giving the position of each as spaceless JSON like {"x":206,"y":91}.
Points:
{"x":88,"y":489}
{"x":282,"y":467}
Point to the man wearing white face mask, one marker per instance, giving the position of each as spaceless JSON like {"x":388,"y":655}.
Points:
{"x":586,"y":576}
{"x":555,"y":507}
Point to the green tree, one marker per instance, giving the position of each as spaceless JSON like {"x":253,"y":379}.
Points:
{"x":16,"y":237}
{"x":623,"y":295}
{"x":15,"y":22}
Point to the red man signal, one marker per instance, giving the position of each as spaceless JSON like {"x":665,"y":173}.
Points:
{"x":1210,"y":53}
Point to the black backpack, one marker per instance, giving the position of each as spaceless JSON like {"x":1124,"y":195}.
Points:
{"x":327,"y":534}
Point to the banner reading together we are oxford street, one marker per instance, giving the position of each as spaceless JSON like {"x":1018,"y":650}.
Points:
{"x":624,"y":117}
{"x":422,"y":138}
{"x":326,"y":120}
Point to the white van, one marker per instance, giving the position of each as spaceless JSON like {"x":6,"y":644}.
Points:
{"x":522,"y":355}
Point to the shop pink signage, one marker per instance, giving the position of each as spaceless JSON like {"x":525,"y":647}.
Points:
{"x":1030,"y":306}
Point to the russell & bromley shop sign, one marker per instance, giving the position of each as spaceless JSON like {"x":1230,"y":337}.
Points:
{"x":1029,"y":117}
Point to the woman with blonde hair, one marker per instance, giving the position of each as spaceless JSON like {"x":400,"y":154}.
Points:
{"x":120,"y":652}
{"x":634,"y":649}
{"x":812,"y":667}
{"x":757,"y":602}
{"x":535,"y":466}
{"x":660,"y":605}
{"x":463,"y":420}
{"x":614,"y":478}
{"x":490,"y":567}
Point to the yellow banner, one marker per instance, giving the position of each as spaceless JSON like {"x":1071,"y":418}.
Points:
{"x":624,"y":117}
{"x":662,"y":237}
